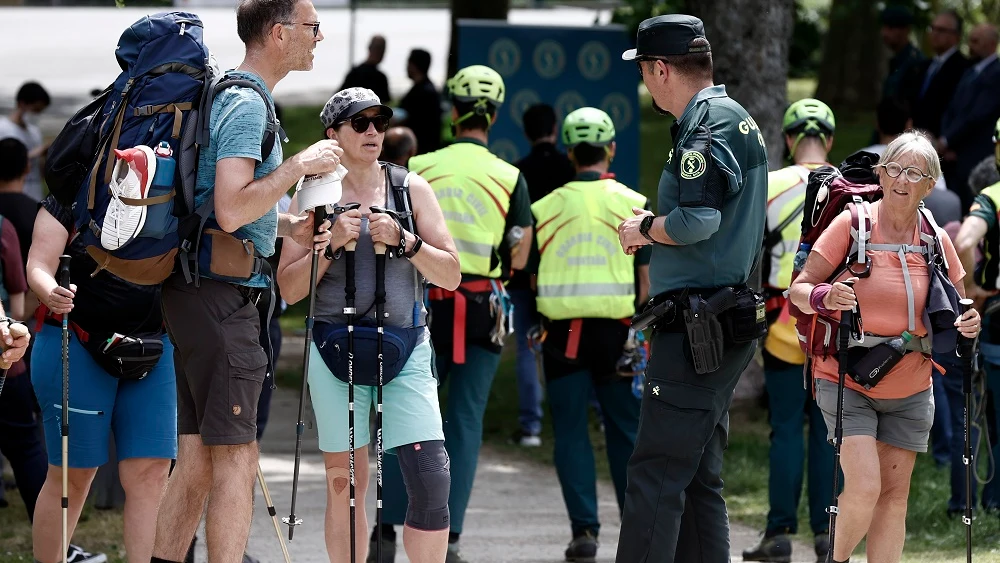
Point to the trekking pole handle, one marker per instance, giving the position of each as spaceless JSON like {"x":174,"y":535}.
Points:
{"x":966,"y":344}
{"x":379,"y":246}
{"x":62,"y":274}
{"x":350,"y":246}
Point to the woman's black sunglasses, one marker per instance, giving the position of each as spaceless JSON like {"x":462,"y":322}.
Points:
{"x":360,"y":123}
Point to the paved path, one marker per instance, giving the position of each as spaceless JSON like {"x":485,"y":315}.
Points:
{"x":516,"y":513}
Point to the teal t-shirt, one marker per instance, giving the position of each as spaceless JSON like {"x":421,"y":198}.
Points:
{"x":236,"y":127}
{"x":713,"y":192}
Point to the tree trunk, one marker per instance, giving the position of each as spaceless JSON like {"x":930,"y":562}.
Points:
{"x":472,"y":9}
{"x":750,"y":41}
{"x":854,"y":61}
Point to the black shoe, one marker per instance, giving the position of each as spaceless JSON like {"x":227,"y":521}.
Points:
{"x":821,"y":542}
{"x":247,"y":558}
{"x":776,"y":548}
{"x":583,"y":548}
{"x":388,"y":550}
{"x":76,"y":554}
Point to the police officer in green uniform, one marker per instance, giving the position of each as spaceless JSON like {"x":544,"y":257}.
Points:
{"x":711,"y":197}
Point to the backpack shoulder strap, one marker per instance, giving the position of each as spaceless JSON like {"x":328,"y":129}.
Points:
{"x":217,"y":84}
{"x":399,"y":180}
{"x":930,"y":238}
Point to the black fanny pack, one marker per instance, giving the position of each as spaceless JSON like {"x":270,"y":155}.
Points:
{"x":125,"y":357}
{"x":397,"y":345}
{"x":867,"y":366}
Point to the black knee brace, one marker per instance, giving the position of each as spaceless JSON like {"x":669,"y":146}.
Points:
{"x":427,"y":474}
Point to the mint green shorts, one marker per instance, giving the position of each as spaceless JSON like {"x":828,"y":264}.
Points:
{"x":410,"y":409}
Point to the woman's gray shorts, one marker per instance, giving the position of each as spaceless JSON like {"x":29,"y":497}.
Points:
{"x":903,"y":423}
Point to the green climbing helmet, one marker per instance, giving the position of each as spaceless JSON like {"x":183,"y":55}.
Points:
{"x":588,"y":125}
{"x":810,"y":117}
{"x":475,"y":83}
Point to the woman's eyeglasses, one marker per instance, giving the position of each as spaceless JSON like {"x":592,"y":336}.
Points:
{"x":913,"y":174}
{"x":313,"y":25}
{"x":360,"y":123}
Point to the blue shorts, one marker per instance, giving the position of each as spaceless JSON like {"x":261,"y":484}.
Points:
{"x":142,"y":414}
{"x":410,"y":410}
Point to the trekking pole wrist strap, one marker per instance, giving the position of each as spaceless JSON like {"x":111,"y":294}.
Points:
{"x":817,"y":296}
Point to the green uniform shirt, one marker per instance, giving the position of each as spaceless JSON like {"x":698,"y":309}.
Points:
{"x":713,"y":191}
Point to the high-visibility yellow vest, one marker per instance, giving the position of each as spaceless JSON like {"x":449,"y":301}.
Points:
{"x":786,"y":192}
{"x":473,"y":188}
{"x":582,"y":271}
{"x":987,"y":273}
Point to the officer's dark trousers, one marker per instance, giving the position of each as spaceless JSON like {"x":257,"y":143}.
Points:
{"x":674,"y":510}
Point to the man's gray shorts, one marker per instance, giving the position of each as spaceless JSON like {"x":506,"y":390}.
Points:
{"x":903,"y":423}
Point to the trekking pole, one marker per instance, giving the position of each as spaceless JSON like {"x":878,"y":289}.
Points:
{"x":966,"y":350}
{"x":349,"y":311}
{"x":273,"y":513}
{"x":379,"y":324}
{"x":843,"y":337}
{"x":291,"y":520}
{"x":63,"y":280}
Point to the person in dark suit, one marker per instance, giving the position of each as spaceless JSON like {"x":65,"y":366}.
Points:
{"x":941,"y":74}
{"x":367,"y":74}
{"x":906,"y":62}
{"x":422,"y":103}
{"x":967,"y":125}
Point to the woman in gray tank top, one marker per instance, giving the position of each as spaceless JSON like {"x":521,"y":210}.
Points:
{"x":357,"y":120}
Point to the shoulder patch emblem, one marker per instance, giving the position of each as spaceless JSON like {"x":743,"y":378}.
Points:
{"x":692,"y":165}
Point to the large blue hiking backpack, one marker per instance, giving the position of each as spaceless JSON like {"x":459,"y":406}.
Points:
{"x":164,"y":94}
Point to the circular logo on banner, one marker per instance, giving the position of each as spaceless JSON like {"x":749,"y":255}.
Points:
{"x":520,"y":102}
{"x":506,"y":149}
{"x":504,"y":56}
{"x":692,"y":165}
{"x":567,"y":102}
{"x":618,"y":107}
{"x":593,"y":60}
{"x":549,"y":59}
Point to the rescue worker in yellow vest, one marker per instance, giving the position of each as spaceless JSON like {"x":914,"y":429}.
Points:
{"x":981,"y":229}
{"x":587,"y":293}
{"x":488,"y":212}
{"x":808,"y":127}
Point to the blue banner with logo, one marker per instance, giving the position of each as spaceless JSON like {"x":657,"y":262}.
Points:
{"x":565,"y":67}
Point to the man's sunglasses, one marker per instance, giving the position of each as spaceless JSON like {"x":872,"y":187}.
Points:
{"x":314,"y":25}
{"x":360,"y":123}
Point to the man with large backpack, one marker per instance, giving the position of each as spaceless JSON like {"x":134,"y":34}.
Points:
{"x":214,"y":321}
{"x":484,"y":200}
{"x":808,"y":126}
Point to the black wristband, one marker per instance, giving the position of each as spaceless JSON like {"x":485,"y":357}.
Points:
{"x":416,"y":247}
{"x":645,"y":225}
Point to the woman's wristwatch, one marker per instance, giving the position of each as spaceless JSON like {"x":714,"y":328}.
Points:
{"x":416,"y":246}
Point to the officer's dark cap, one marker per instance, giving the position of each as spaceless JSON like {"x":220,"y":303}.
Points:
{"x":896,"y":16}
{"x":667,"y":35}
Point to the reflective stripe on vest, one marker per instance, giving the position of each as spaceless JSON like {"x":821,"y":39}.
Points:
{"x":582,"y":271}
{"x":473,"y":188}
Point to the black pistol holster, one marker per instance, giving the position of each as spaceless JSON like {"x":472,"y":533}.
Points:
{"x":736,"y":315}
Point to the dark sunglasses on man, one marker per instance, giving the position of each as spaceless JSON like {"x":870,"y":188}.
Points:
{"x":360,"y":123}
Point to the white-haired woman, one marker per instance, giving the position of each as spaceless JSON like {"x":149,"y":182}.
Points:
{"x":884,"y":426}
